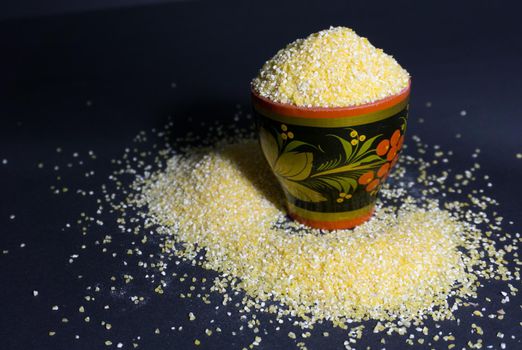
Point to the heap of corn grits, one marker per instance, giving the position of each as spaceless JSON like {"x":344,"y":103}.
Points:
{"x":406,"y":263}
{"x":331,"y":68}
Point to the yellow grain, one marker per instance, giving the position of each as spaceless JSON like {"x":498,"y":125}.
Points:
{"x":331,"y":68}
{"x":226,"y":202}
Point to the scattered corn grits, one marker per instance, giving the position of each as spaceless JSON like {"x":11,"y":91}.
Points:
{"x":437,"y":267}
{"x":403,"y":264}
{"x":331,"y":68}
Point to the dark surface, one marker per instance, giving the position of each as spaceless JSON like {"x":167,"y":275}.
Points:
{"x":464,"y":56}
{"x":32,"y":8}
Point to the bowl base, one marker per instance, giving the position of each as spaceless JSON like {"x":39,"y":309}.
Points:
{"x":334,"y":224}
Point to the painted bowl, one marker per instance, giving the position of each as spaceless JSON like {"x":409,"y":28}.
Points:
{"x":331,"y":162}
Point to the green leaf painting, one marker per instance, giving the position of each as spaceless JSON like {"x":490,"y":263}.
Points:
{"x":356,"y":164}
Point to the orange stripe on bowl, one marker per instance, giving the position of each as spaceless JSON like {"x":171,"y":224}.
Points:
{"x":333,"y":225}
{"x":326,"y":112}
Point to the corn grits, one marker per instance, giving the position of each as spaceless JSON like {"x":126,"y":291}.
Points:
{"x":331,"y":68}
{"x":402,"y":264}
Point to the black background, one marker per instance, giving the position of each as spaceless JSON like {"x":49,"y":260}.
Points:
{"x":93,"y":80}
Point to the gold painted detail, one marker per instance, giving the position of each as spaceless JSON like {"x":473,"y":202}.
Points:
{"x":329,"y":217}
{"x":350,"y":121}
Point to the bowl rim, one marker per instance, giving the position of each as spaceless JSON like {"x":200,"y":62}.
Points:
{"x":329,"y":112}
